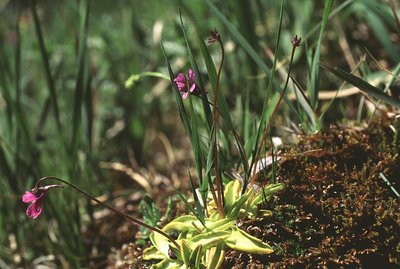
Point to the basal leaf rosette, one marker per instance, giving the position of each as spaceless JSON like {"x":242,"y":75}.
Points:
{"x":203,"y":245}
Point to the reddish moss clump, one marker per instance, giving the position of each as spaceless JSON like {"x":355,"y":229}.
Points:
{"x":336,"y":212}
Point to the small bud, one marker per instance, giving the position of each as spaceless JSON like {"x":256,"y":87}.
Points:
{"x":214,"y":37}
{"x":295,"y":41}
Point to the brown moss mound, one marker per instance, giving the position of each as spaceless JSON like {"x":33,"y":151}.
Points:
{"x":337,"y":211}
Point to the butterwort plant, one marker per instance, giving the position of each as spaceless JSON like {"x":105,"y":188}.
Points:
{"x":204,"y":240}
{"x":205,"y":237}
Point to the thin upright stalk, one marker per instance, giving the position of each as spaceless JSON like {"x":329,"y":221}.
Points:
{"x":216,"y":37}
{"x":295,"y":42}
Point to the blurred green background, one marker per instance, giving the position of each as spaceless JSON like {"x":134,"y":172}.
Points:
{"x":64,"y":108}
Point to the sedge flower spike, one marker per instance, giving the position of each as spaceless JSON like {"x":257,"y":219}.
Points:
{"x":184,"y":84}
{"x":35,"y":198}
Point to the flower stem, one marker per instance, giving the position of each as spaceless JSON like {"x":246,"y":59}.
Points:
{"x":215,"y":124}
{"x":154,"y":229}
{"x":264,"y":136}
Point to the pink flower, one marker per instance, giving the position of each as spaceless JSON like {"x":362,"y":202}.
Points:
{"x":184,"y":84}
{"x":35,"y":198}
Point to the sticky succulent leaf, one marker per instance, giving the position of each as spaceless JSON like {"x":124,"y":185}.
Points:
{"x":152,"y":253}
{"x":182,"y":224}
{"x":216,"y":256}
{"x":168,"y":264}
{"x":221,"y":225}
{"x":207,"y":243}
{"x":197,"y":202}
{"x":231,"y":193}
{"x":195,"y":257}
{"x":162,"y":244}
{"x":209,"y":239}
{"x":185,"y":253}
{"x":233,"y":212}
{"x":242,"y":241}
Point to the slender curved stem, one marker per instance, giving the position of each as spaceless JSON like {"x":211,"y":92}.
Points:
{"x":264,"y":137}
{"x":154,"y":229}
{"x":215,"y":123}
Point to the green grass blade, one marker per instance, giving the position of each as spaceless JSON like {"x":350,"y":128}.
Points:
{"x":246,"y":24}
{"x":88,"y":99}
{"x":221,"y":102}
{"x":210,"y":161}
{"x":181,"y":107}
{"x":186,"y":202}
{"x":81,"y":76}
{"x":363,"y":85}
{"x":17,"y":85}
{"x":16,"y":114}
{"x":264,"y":118}
{"x":380,"y":30}
{"x":212,"y":73}
{"x":239,"y":38}
{"x":314,"y":76}
{"x":305,"y":104}
{"x":6,"y":169}
{"x":206,"y":106}
{"x":18,"y":58}
{"x":198,"y":156}
{"x":7,"y":94}
{"x":199,"y":207}
{"x":46,"y":65}
{"x":248,"y":49}
{"x":332,"y":14}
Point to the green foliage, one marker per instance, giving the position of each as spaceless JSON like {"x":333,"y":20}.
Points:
{"x":314,"y":72}
{"x":151,"y":215}
{"x":203,"y":246}
{"x":363,"y":85}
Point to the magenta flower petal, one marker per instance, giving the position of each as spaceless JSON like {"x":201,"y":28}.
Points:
{"x":34,"y":209}
{"x":192,"y":88}
{"x":192,"y":75}
{"x":181,"y":86}
{"x":180,"y":78}
{"x":180,"y":81}
{"x":35,"y":197}
{"x":29,"y":197}
{"x":186,"y":85}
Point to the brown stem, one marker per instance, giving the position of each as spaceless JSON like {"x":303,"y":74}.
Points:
{"x":264,"y":136}
{"x":215,"y":123}
{"x":154,"y":229}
